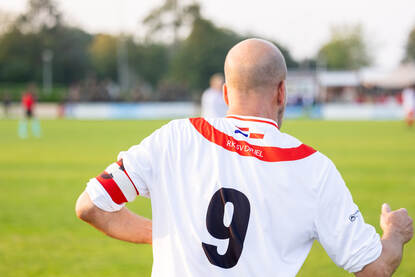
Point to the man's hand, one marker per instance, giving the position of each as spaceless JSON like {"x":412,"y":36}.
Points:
{"x":397,"y":230}
{"x":396,"y":224}
{"x":123,"y":225}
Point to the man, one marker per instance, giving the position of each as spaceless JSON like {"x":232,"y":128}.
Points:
{"x":235,"y":196}
{"x":408,"y":102}
{"x":213,"y":104}
{"x":28,"y":104}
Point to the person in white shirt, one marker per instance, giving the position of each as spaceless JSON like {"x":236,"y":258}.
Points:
{"x":408,"y":103}
{"x":213,"y":104}
{"x":235,"y":196}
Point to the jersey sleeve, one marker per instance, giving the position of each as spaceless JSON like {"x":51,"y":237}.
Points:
{"x":130,"y":176}
{"x":340,"y":227}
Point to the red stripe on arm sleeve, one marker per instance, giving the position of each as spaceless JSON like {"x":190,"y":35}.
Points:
{"x":107,"y":181}
{"x":121,"y":165}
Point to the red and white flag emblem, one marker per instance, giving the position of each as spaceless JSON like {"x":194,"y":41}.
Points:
{"x":246,"y":133}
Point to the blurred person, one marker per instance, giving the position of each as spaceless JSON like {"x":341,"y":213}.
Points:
{"x":408,"y":102}
{"x":74,"y":94}
{"x":235,"y":196}
{"x":213,"y":104}
{"x":7,"y":101}
{"x":62,"y":104}
{"x":113,"y":90}
{"x":28,"y":104}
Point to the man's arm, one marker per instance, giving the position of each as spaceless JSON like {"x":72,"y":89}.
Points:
{"x":123,"y":224}
{"x":397,"y":230}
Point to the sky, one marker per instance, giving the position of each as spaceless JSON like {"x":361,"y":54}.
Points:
{"x":300,"y":25}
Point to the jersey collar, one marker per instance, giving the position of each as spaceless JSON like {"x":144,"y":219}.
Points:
{"x":254,"y":119}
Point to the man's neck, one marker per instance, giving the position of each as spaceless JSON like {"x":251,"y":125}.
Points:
{"x":264,"y":113}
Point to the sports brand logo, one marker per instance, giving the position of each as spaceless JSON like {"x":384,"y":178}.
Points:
{"x":354,"y":216}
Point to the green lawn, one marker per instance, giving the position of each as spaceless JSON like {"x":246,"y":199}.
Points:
{"x":40,"y":180}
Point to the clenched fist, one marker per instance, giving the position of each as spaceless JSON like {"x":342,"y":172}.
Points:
{"x":396,"y":223}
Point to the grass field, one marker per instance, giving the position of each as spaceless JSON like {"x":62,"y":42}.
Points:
{"x":40,"y":180}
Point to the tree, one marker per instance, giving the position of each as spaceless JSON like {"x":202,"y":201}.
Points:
{"x":6,"y":21}
{"x":171,"y":17}
{"x":201,"y":54}
{"x":149,"y":61}
{"x":289,"y":60}
{"x":21,"y":45}
{"x":103,"y":53}
{"x":346,"y":49}
{"x":410,"y":47}
{"x":41,"y":14}
{"x":185,"y":63}
{"x":71,"y":60}
{"x":20,"y":57}
{"x":39,"y":29}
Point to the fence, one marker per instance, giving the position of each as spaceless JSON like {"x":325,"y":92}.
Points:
{"x":167,"y":110}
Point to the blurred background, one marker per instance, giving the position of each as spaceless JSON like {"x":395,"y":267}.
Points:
{"x":81,"y":81}
{"x":348,"y":56}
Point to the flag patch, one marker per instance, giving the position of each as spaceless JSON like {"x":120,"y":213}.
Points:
{"x":245,"y":132}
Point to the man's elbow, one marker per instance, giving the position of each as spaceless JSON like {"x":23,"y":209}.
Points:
{"x":84,"y":208}
{"x":378,"y":269}
{"x":82,"y":213}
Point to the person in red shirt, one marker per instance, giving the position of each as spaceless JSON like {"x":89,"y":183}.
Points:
{"x":28,"y":103}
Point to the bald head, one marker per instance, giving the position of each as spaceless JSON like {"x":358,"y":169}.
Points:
{"x":255,"y":73}
{"x":254,"y":65}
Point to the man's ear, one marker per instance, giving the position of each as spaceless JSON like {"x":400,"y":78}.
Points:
{"x":225,"y":94}
{"x":281,"y":93}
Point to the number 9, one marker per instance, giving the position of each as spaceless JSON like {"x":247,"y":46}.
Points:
{"x":236,"y":231}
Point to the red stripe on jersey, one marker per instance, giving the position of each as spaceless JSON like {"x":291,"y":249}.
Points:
{"x":111,"y":187}
{"x":263,"y":153}
{"x":254,"y":120}
{"x":256,"y":136}
{"x":121,"y":164}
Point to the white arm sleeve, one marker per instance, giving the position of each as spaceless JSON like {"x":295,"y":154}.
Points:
{"x":340,"y":228}
{"x":100,"y":197}
{"x":142,"y":161}
{"x":132,"y":175}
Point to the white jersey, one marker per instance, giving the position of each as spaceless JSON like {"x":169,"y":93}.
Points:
{"x":237,"y":197}
{"x":213,"y":104}
{"x":408,"y":100}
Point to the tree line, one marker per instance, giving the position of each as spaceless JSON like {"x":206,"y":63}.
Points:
{"x":186,"y":60}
